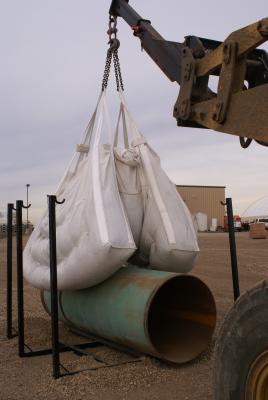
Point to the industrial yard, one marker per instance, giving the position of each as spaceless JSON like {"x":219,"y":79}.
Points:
{"x":146,"y":379}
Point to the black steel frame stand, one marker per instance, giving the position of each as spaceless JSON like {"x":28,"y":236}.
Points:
{"x":9,"y":328}
{"x":232,"y":243}
{"x":57,"y":346}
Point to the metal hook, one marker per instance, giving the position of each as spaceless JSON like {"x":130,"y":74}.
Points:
{"x":54,"y":199}
{"x":114,"y":44}
{"x":26,"y":206}
{"x":59,"y":202}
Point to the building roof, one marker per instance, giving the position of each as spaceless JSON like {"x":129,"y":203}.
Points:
{"x":200,"y":186}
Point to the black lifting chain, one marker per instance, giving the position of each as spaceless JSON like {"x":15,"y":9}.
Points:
{"x":112,"y":55}
{"x":117,"y":70}
{"x":107,"y":70}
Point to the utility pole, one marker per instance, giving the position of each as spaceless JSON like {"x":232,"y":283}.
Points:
{"x":27,"y":200}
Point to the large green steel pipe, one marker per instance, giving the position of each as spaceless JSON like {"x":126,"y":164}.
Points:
{"x":170,"y":316}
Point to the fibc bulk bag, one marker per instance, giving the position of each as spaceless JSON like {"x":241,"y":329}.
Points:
{"x":168,"y":239}
{"x":93,"y":234}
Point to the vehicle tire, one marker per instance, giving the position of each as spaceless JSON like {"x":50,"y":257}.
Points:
{"x":241,"y":352}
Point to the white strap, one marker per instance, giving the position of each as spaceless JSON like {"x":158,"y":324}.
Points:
{"x":89,"y":129}
{"x":134,"y":127}
{"x":85,"y":141}
{"x":96,"y":178}
{"x":101,"y":113}
{"x":152,"y":179}
{"x":99,"y":122}
{"x":125,"y":129}
{"x":125,"y":134}
{"x":107,"y":117}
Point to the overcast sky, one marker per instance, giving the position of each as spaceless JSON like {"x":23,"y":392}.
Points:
{"x":53,"y":55}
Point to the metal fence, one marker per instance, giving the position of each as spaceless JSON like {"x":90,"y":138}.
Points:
{"x":25,"y":229}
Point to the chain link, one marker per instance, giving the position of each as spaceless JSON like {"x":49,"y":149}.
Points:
{"x":117,"y":70}
{"x":112,"y":30}
{"x":112,"y":55}
{"x":107,"y":70}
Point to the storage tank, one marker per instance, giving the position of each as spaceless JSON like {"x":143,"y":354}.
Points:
{"x":202,"y":221}
{"x":214,"y":225}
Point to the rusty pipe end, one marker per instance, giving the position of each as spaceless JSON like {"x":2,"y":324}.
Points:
{"x":181,"y":319}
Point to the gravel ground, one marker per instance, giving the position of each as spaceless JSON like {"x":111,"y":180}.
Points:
{"x":149,"y":379}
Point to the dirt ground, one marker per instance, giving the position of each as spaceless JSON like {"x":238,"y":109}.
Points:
{"x":150,"y":379}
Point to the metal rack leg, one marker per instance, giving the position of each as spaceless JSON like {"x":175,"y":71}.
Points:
{"x":9,"y":333}
{"x":232,"y":243}
{"x":20,"y":294}
{"x":52,"y":201}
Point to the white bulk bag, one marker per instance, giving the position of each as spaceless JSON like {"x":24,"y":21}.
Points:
{"x":93,"y":234}
{"x":168,"y":238}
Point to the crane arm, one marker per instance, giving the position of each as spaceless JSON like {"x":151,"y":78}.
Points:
{"x":166,"y":54}
{"x":239,"y":106}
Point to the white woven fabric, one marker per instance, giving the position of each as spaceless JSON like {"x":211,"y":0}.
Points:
{"x":93,"y":233}
{"x":117,"y":199}
{"x":167,"y":239}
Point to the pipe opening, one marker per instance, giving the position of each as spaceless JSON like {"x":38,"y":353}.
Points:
{"x":181,"y":319}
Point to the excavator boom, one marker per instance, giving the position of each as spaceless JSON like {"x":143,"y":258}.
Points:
{"x":240,"y":105}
